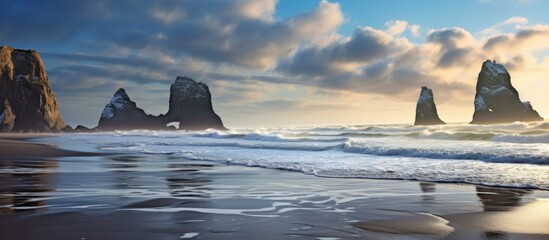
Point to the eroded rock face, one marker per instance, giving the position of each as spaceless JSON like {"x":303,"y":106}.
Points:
{"x":28,"y":100}
{"x":496,"y":100}
{"x":7,"y":119}
{"x":191,"y":106}
{"x":426,"y":110}
{"x":121,"y":113}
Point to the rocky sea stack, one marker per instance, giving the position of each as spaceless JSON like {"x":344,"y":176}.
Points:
{"x":497,"y":101}
{"x":121,"y":113}
{"x":190,"y":106}
{"x":27,"y":102}
{"x":426,"y":110}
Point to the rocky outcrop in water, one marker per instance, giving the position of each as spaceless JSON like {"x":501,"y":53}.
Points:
{"x":191,"y":105}
{"x":28,"y":102}
{"x":496,"y":100}
{"x":426,"y":110}
{"x":121,"y":113}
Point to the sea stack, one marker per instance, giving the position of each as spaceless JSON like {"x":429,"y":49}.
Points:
{"x":496,"y":100}
{"x":27,"y":102}
{"x":121,"y":113}
{"x":426,"y":110}
{"x":191,"y":106}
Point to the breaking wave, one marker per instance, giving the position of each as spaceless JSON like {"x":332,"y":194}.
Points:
{"x":511,"y":155}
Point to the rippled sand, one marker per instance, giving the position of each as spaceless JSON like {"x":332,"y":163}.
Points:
{"x":162,"y":196}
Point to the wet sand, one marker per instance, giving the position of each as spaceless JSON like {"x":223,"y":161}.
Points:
{"x":50,"y":193}
{"x":14,"y":145}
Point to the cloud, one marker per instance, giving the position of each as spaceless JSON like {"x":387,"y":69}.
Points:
{"x":509,"y":24}
{"x":455,"y":46}
{"x":242,"y":32}
{"x":325,"y":19}
{"x":525,"y":39}
{"x":365,"y":45}
{"x":415,"y":30}
{"x":396,"y":27}
{"x":513,"y":21}
{"x":450,"y":37}
{"x":250,"y":40}
{"x":167,"y":16}
{"x":374,"y":61}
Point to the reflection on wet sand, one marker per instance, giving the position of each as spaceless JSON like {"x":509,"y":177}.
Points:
{"x":500,"y":199}
{"x":188,"y":180}
{"x":121,"y":167}
{"x":427,"y":188}
{"x":185,"y":179}
{"x":122,"y":163}
{"x":25,"y":184}
{"x":505,"y":214}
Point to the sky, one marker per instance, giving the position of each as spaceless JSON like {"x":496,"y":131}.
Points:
{"x":283,"y":63}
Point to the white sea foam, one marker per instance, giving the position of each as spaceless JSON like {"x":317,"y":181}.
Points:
{"x":450,"y":153}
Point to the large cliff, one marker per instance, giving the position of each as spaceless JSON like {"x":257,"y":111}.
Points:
{"x":27,"y":100}
{"x":426,"y":110}
{"x":496,"y":100}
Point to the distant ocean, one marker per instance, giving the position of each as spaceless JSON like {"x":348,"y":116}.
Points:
{"x":510,"y":155}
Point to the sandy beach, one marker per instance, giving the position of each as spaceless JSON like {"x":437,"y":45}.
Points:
{"x":55,"y":188}
{"x":274,"y":119}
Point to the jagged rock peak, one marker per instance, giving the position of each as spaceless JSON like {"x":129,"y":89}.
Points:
{"x":26,"y":92}
{"x":119,"y":101}
{"x":121,"y":113}
{"x":496,"y":100}
{"x":426,"y":110}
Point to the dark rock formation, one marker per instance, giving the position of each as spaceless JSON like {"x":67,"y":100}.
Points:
{"x":496,"y":100}
{"x":191,"y":106}
{"x":426,"y":110}
{"x":28,"y":102}
{"x":121,"y":113}
{"x":81,"y":128}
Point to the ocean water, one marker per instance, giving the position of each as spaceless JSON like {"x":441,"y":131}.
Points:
{"x":509,"y":155}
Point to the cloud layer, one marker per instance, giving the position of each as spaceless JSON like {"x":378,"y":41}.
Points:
{"x":257,"y":63}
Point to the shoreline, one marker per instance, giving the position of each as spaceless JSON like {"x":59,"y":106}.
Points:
{"x":37,"y":145}
{"x":11,"y":149}
{"x":15,"y":146}
{"x":159,"y":196}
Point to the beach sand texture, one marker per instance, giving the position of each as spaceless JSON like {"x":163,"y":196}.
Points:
{"x":50,"y":193}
